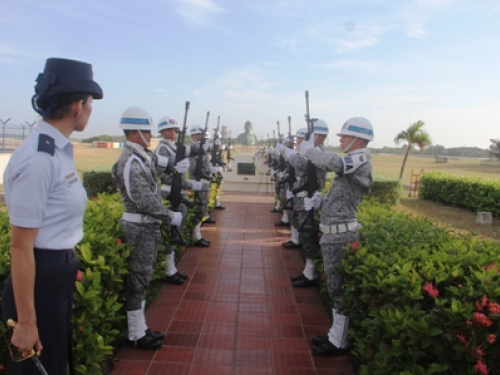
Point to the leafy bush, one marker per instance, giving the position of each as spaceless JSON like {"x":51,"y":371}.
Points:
{"x":420,"y":300}
{"x":461,"y":191}
{"x":386,"y":191}
{"x":98,"y":181}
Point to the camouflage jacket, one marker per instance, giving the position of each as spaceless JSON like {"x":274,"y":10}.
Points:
{"x":340,"y":205}
{"x":205,"y":166}
{"x":135,"y":176}
{"x":167,"y":148}
{"x":300,"y":163}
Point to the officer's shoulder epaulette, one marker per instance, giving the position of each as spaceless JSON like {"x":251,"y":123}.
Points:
{"x":46,"y":144}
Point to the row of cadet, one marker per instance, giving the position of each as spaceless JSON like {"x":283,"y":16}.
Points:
{"x":136,"y":174}
{"x":299,"y":166}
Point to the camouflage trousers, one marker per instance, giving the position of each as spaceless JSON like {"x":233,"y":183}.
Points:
{"x":183,"y":210}
{"x":332,"y":250}
{"x":308,"y":240}
{"x":144,"y":240}
{"x":201,"y":210}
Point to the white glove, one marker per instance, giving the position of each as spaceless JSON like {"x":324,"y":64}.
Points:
{"x":214,"y":169}
{"x":314,"y":202}
{"x":206,"y":147}
{"x":306,"y":145}
{"x":289,"y":194}
{"x":269,"y":150}
{"x":217,"y":142}
{"x":223,"y":147}
{"x":228,"y":167}
{"x":279,"y":146}
{"x":177,"y":219}
{"x":281,"y":175}
{"x":196,"y":185}
{"x":182,"y":166}
{"x":289,"y":152}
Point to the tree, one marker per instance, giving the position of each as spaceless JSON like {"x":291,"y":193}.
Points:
{"x":495,"y":148}
{"x":414,"y":136}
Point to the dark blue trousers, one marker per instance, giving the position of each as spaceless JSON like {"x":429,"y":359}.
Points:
{"x":54,"y":286}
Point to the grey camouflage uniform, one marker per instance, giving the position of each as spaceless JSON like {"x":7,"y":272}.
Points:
{"x":144,"y":199}
{"x":168,"y":148}
{"x":308,"y":240}
{"x":202,"y":196}
{"x":340,"y":205}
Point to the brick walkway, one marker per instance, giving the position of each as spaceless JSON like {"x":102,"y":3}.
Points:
{"x":237,"y":314}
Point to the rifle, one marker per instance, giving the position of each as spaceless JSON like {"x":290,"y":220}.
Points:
{"x":311,"y":184}
{"x":215,"y":154}
{"x":282,"y":162}
{"x":228,"y":153}
{"x":175,"y":194}
{"x":198,"y":171}
{"x":291,"y":170}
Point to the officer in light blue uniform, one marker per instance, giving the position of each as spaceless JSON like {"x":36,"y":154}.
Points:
{"x":46,"y":203}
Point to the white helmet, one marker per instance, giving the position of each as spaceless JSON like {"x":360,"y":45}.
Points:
{"x":196,"y":129}
{"x":301,"y":133}
{"x":320,"y":127}
{"x":207,"y":135}
{"x":136,"y":118}
{"x":357,"y":127}
{"x":167,"y":122}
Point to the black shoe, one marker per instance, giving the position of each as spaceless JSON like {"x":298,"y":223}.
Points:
{"x":182,"y":275}
{"x":328,"y":349}
{"x":174,"y":279}
{"x":281,"y":224}
{"x":146,"y":343}
{"x":297,"y":278}
{"x":275,"y":210}
{"x":320,"y":340}
{"x":157,"y":335}
{"x":305,"y":283}
{"x":219,"y":207}
{"x":209,"y":221}
{"x":201,"y":243}
{"x":207,"y":241}
{"x":290,"y":245}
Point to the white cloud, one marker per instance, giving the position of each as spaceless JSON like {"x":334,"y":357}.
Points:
{"x":197,"y":12}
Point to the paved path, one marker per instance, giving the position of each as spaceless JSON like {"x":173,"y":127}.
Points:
{"x":237,"y":314}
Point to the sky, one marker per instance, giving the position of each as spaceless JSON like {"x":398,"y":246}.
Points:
{"x":394,"y":62}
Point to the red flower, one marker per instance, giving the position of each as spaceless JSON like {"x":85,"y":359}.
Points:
{"x":494,"y":308}
{"x":491,"y":338}
{"x":478,"y":352}
{"x":478,"y":306}
{"x":462,"y":338}
{"x":481,"y":319}
{"x":481,"y":367}
{"x":490,"y":266}
{"x":94,"y":199}
{"x":355,"y":245}
{"x":485,"y":300}
{"x":429,"y":288}
{"x":118,"y":241}
{"x":79,"y":276}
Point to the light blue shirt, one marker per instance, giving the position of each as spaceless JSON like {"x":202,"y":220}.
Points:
{"x":44,"y":191}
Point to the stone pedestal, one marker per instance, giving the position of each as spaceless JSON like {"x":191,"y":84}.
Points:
{"x":484,"y":218}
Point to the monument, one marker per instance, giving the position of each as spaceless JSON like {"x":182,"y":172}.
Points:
{"x":247,"y":138}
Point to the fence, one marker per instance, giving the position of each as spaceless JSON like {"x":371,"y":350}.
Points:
{"x":13,"y":135}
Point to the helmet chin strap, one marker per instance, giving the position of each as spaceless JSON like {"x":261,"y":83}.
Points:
{"x":144,"y":139}
{"x":346,"y":150}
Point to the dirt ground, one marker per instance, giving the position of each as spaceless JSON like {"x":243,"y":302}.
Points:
{"x":458,"y":220}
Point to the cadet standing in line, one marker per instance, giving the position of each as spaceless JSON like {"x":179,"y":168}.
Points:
{"x":216,"y":168}
{"x":46,"y":203}
{"x":309,"y":240}
{"x":196,"y":133}
{"x":135,"y":176}
{"x":168,"y":129}
{"x":281,"y":177}
{"x":294,"y":242}
{"x":339,"y":216}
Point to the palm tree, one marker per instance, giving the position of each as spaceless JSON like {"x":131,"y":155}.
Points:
{"x":413,"y":136}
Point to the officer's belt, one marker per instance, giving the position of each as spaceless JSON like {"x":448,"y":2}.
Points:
{"x":204,"y":181}
{"x":301,"y":194}
{"x":168,"y":189}
{"x":339,"y":228}
{"x":139,"y":218}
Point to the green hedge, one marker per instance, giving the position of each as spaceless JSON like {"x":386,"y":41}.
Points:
{"x":386,"y":191}
{"x":420,"y":300}
{"x":461,"y":191}
{"x":98,"y":181}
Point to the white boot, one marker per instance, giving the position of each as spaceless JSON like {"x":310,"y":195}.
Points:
{"x":294,"y":235}
{"x":277,"y":206}
{"x":170,"y":268}
{"x":338,"y":333}
{"x":136,"y":324}
{"x":310,"y":270}
{"x":196,"y":234}
{"x":285,"y":217}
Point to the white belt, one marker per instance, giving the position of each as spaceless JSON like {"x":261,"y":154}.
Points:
{"x":302,"y":194}
{"x":205,"y":180}
{"x":139,"y":218}
{"x":339,"y":228}
{"x":168,"y":189}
